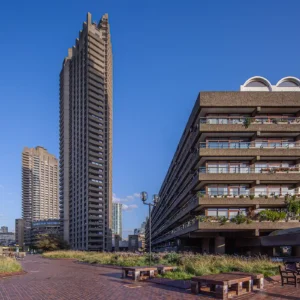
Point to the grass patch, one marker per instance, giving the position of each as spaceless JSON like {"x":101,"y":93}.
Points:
{"x":9,"y":265}
{"x":189,"y":265}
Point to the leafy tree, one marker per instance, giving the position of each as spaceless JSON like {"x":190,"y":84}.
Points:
{"x":50,"y":242}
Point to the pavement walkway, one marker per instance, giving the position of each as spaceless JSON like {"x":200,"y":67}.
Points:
{"x":63,"y":280}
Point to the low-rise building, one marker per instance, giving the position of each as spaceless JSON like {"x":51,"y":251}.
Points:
{"x":51,"y":227}
{"x":7,"y":238}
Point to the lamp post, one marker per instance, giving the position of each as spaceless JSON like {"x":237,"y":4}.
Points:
{"x":144,"y":197}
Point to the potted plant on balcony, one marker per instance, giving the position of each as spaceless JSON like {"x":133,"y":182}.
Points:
{"x":283,"y":121}
{"x":241,"y":196}
{"x":274,"y":121}
{"x":200,"y":195}
{"x":272,"y":215}
{"x":223,"y":220}
{"x":247,"y":122}
{"x":251,"y":196}
{"x":239,"y":219}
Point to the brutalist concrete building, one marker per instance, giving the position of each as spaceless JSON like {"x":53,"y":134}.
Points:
{"x":86,"y":92}
{"x":235,"y":166}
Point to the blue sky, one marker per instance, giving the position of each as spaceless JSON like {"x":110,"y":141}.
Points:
{"x":165,"y":52}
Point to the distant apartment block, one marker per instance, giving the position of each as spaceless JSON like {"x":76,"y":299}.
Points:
{"x":4,"y":229}
{"x":39,"y":187}
{"x":117,"y":219}
{"x":86,"y":106}
{"x":7,"y":238}
{"x":19,"y":231}
{"x":239,"y":155}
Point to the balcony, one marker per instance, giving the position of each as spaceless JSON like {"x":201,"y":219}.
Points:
{"x":95,"y":206}
{"x":203,"y":201}
{"x":248,"y":124}
{"x":242,"y":120}
{"x":262,"y":148}
{"x":198,"y":226}
{"x":93,"y":217}
{"x":255,"y":225}
{"x":249,"y":174}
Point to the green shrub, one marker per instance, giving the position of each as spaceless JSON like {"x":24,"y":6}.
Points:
{"x":9,"y":265}
{"x":272,"y":215}
{"x":239,"y":219}
{"x":189,"y":265}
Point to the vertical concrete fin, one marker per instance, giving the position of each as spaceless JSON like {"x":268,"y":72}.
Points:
{"x":89,"y":18}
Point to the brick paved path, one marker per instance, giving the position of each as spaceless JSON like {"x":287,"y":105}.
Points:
{"x":63,"y":279}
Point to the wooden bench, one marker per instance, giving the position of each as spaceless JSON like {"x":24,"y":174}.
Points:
{"x":288,"y":276}
{"x":221,"y":286}
{"x":138,"y":272}
{"x":257,"y":279}
{"x":163,"y":269}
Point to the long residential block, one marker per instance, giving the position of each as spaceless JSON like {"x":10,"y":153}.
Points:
{"x":239,"y":155}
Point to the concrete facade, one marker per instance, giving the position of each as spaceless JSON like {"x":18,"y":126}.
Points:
{"x":239,"y":154}
{"x":50,"y":227}
{"x":19,"y":230}
{"x":39,"y":187}
{"x":117,"y":219}
{"x":86,"y":92}
{"x":133,"y":243}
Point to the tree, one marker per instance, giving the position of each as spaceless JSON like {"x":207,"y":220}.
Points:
{"x":50,"y":242}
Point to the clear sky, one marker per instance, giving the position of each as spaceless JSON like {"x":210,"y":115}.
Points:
{"x":165,"y":52}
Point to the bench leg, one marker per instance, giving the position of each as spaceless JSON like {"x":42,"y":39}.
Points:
{"x":222,"y":292}
{"x":195,"y":287}
{"x":124,"y":273}
{"x":260,"y":284}
{"x":151,"y":274}
{"x":137,"y":276}
{"x":249,"y":286}
{"x":239,"y":288}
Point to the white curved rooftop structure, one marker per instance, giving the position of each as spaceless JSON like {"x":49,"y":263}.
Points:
{"x":261,"y":84}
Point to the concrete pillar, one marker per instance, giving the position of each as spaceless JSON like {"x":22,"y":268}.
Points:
{"x":205,"y":245}
{"x":219,"y":245}
{"x":296,"y":251}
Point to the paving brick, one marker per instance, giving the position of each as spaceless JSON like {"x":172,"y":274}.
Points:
{"x":63,"y":279}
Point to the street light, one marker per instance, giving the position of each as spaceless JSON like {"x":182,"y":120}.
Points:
{"x":144,"y":197}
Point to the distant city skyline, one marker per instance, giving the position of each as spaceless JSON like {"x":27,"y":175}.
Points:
{"x":214,"y":44}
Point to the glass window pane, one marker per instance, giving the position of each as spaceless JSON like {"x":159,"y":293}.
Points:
{"x":212,"y":212}
{"x":233,"y":213}
{"x":222,"y":213}
{"x":260,"y":190}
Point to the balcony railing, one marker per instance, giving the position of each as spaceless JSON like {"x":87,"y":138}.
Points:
{"x":246,"y":170}
{"x":248,"y":145}
{"x":252,"y":120}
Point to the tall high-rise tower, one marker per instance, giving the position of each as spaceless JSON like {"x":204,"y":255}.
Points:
{"x":117,"y":219}
{"x":86,"y":92}
{"x":39,"y":187}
